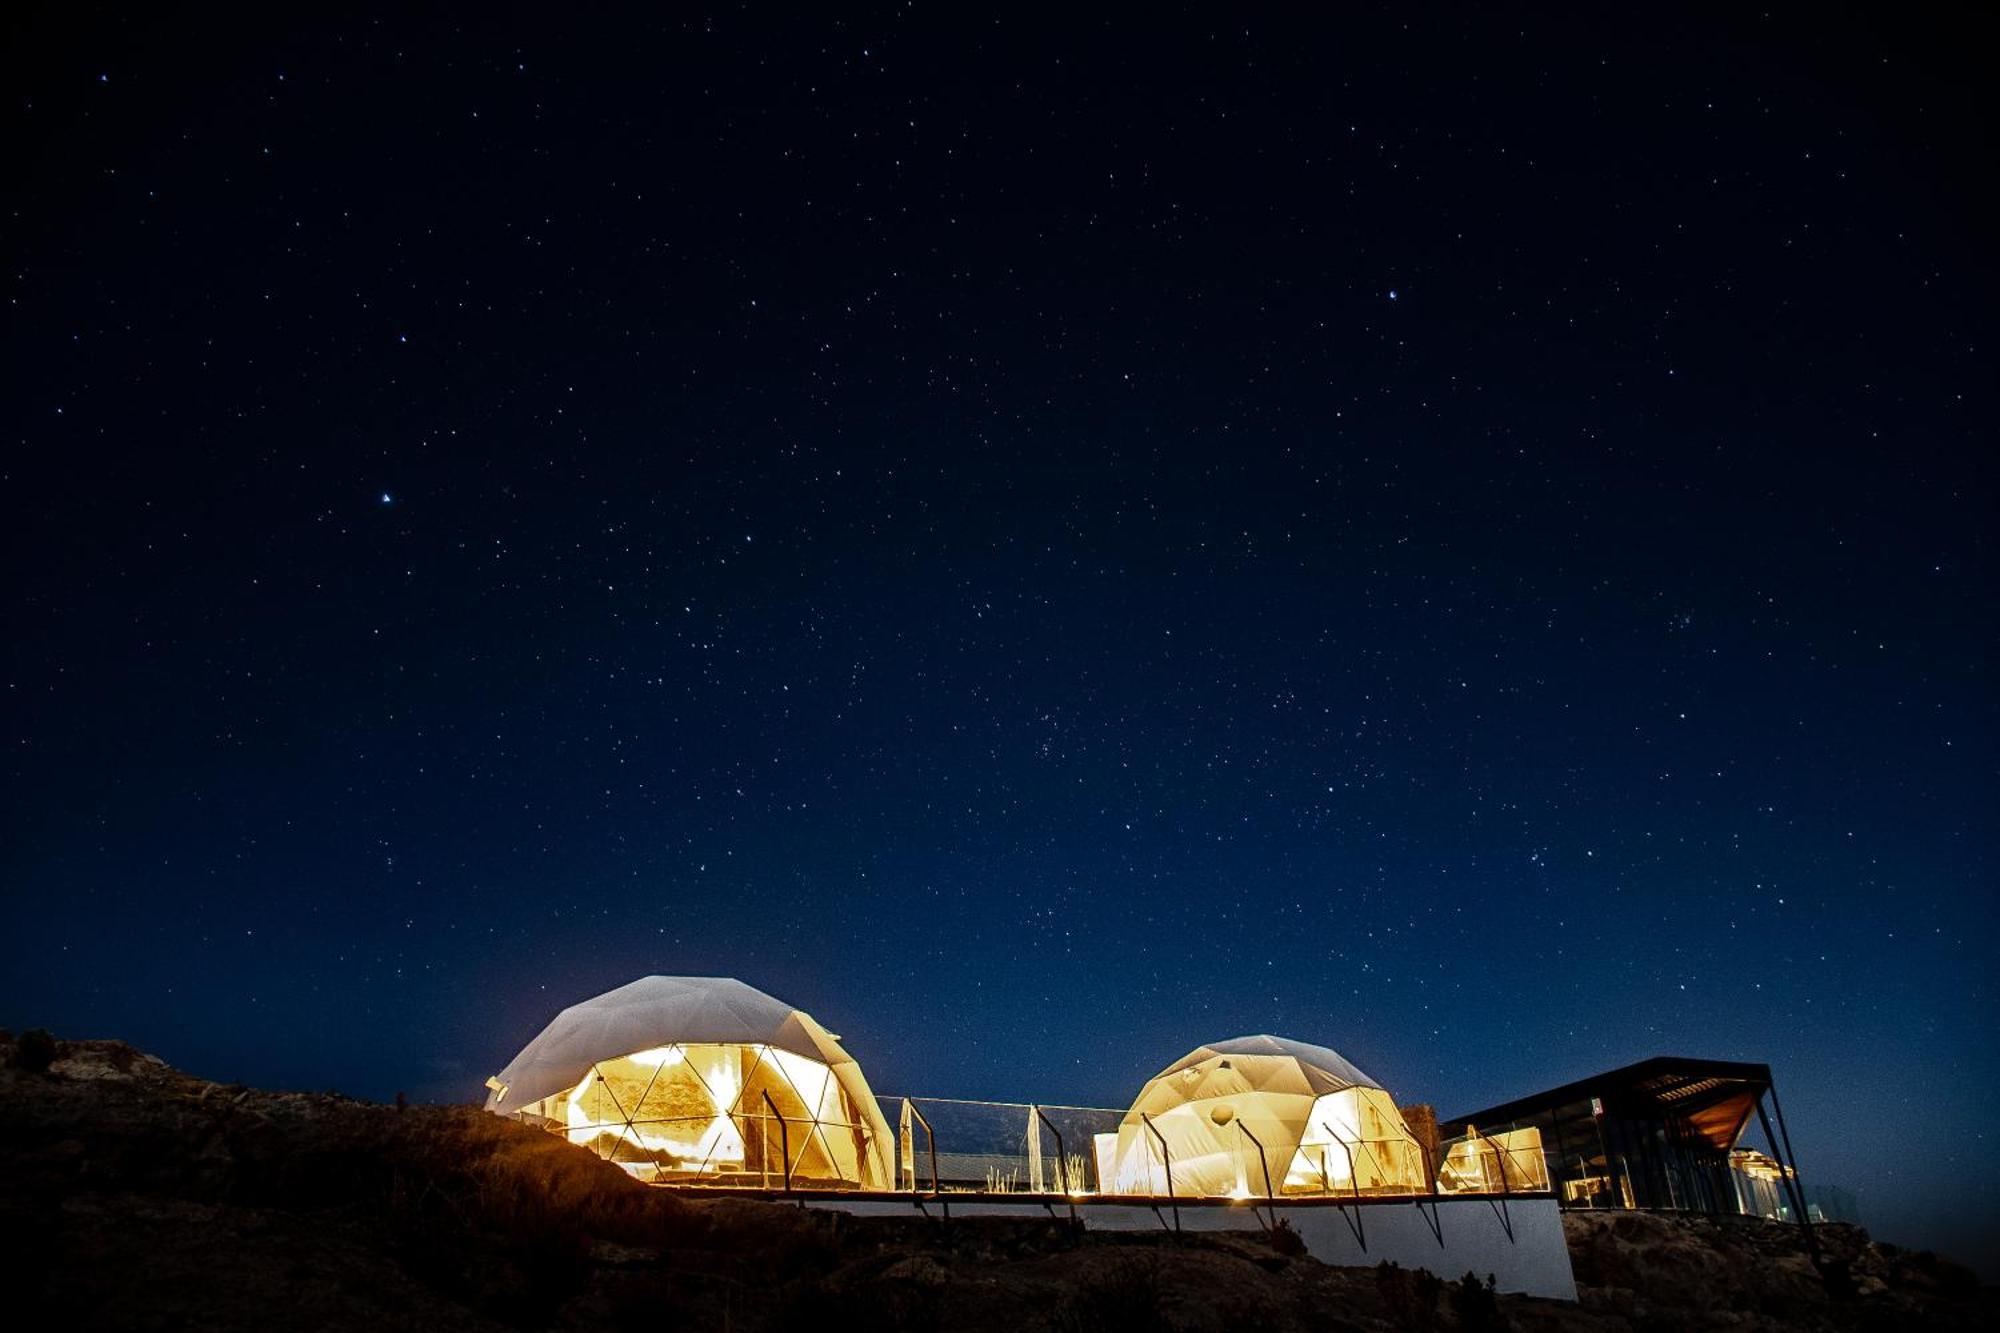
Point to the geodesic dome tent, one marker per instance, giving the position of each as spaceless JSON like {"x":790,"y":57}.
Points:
{"x":1262,"y":1114}
{"x":701,"y":1080}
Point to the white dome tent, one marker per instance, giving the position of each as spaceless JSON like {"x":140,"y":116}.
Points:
{"x":1257,"y":1115}
{"x":678,"y":1079}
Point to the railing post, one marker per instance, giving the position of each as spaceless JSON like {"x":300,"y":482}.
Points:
{"x":1270,"y":1195}
{"x":1353,"y":1175}
{"x":1167,"y":1158}
{"x":1505,"y":1214}
{"x":930,"y":1140}
{"x":1500,"y":1160}
{"x":1353,"y":1185}
{"x":784,"y":1140}
{"x":906,"y":1150}
{"x":1062,"y":1165}
{"x":1038,"y":1176}
{"x":1432,"y":1170}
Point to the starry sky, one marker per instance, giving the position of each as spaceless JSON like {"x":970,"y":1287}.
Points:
{"x":1459,"y":535}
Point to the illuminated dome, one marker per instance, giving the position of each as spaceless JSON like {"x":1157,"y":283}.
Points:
{"x":1318,"y":1124}
{"x":689,"y":1079}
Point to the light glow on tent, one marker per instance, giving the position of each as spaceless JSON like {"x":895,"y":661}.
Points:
{"x":694,"y":1144}
{"x":1217,"y":1122}
{"x":1506,"y":1162}
{"x":701,"y":1078}
{"x":1355,"y":1138}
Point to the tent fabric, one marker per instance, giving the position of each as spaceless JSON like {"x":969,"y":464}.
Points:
{"x":650,"y":1012}
{"x":655,"y":1012}
{"x":1322,"y":1070}
{"x":1258,"y":1115}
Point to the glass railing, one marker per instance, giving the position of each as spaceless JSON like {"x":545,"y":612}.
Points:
{"x":958,"y":1145}
{"x":1497,"y":1161}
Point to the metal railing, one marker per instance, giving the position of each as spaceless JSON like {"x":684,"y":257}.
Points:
{"x":1050,"y":1153}
{"x":1264,"y":1161}
{"x":1167,"y":1159}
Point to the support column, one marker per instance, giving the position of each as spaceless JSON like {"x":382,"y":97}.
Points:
{"x":1791,"y":1175}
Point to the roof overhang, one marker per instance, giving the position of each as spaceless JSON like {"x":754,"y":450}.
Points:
{"x":1716,"y":1098}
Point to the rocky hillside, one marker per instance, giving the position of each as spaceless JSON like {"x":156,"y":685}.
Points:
{"x":133,"y":1196}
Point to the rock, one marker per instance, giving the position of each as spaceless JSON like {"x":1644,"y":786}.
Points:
{"x":86,"y":1061}
{"x":918,"y":1268}
{"x":611,"y":1255}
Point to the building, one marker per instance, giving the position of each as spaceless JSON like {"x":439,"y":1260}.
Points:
{"x":1663,"y":1133}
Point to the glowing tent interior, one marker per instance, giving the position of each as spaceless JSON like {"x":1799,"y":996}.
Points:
{"x":1262,"y":1116}
{"x":701,"y":1079}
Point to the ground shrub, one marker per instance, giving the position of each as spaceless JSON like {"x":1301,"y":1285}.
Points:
{"x":34,"y":1051}
{"x":1477,"y":1304}
{"x":1410,"y":1295}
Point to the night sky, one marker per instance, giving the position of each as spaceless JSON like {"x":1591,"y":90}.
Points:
{"x":1457,"y":536}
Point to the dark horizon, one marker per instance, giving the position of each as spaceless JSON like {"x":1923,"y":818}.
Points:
{"x":1459,"y":537}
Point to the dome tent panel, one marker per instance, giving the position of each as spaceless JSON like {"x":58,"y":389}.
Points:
{"x":669,"y":1076}
{"x":1355,"y":1140}
{"x":648,"y":1013}
{"x":827,"y":1142}
{"x":1211,"y":1149}
{"x":1298,"y":1066}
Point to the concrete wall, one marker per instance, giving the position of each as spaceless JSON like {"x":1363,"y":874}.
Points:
{"x":1471,"y":1235}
